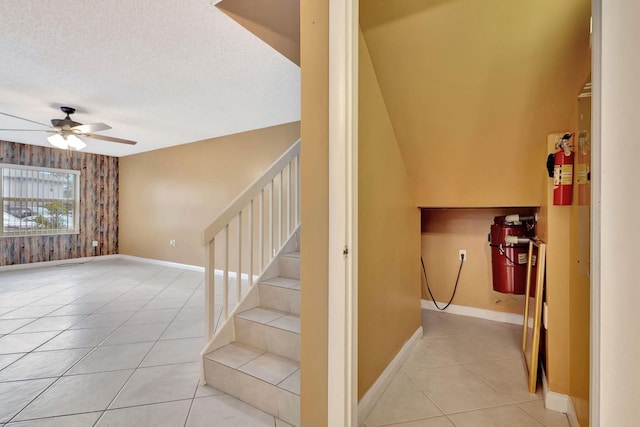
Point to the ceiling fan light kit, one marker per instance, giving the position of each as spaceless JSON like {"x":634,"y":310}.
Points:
{"x":67,"y":132}
{"x":71,"y":141}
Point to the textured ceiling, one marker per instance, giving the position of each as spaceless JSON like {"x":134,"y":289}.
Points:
{"x":161,"y":73}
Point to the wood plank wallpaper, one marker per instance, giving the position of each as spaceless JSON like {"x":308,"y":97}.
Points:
{"x":98,"y":206}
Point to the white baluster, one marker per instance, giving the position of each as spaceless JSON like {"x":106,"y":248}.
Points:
{"x":271,"y":215}
{"x":261,"y":230}
{"x":225,"y":280}
{"x":250,"y":235}
{"x":210,"y":288}
{"x":280,"y":201}
{"x":297,"y":190}
{"x":288,"y":200}
{"x":239,"y":276}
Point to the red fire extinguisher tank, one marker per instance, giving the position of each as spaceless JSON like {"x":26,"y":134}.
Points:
{"x":509,"y":260}
{"x":563,"y":178}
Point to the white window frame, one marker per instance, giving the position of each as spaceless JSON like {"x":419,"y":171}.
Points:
{"x":43,"y":231}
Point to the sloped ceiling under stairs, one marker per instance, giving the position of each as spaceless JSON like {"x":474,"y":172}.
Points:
{"x":473,"y":87}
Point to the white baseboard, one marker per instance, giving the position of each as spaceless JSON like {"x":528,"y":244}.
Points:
{"x":370,"y":398}
{"x":163,"y":263}
{"x":558,"y":402}
{"x":104,"y":258}
{"x":571,"y":414}
{"x":219,"y":273}
{"x":496,"y":316}
{"x":83,"y":260}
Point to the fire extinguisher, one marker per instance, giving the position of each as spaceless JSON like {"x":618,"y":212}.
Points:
{"x":560,"y":167}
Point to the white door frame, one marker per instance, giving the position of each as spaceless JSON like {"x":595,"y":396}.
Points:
{"x":596,"y":84}
{"x":342,"y":398}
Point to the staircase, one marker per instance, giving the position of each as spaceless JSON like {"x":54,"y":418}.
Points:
{"x":262,"y":365}
{"x":252,"y":294}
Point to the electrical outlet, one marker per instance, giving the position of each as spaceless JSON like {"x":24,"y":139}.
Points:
{"x":172,"y":242}
{"x":94,"y":244}
{"x":461,"y":253}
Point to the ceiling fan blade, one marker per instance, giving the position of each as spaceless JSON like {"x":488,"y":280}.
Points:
{"x":30,"y":130}
{"x":109,"y":138}
{"x":91,"y":127}
{"x":22,"y":118}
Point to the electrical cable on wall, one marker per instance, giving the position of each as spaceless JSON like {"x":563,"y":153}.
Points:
{"x":424,"y":271}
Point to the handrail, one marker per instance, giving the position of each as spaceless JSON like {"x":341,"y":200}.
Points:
{"x":281,"y":183}
{"x":250,"y":192}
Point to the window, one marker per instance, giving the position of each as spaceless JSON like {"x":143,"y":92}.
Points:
{"x":39,"y":201}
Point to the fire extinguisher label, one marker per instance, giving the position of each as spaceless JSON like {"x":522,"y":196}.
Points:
{"x":566,"y":176}
{"x":582,"y":173}
{"x":562,"y":175}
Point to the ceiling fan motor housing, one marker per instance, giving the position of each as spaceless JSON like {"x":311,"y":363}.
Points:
{"x":65,"y":123}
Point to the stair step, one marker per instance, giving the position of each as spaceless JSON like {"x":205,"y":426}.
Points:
{"x":280,"y":296}
{"x":258,"y":363}
{"x":283,"y":282}
{"x":275,"y":331}
{"x":275,"y":318}
{"x":262,"y":379}
{"x":289,"y":265}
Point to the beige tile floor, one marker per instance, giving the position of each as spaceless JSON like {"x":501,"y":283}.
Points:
{"x":463,"y":372}
{"x":108,"y":343}
{"x":116,"y":343}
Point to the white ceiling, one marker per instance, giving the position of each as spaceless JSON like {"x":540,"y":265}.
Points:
{"x":161,"y":73}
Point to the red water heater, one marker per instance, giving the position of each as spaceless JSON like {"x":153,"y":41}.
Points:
{"x":509,"y":259}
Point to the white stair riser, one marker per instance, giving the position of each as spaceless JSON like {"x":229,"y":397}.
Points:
{"x":279,"y":298}
{"x":289,"y":266}
{"x":267,"y":397}
{"x":274,"y":340}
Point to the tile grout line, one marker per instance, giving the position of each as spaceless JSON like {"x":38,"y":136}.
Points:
{"x":151,"y":348}
{"x":462,"y":364}
{"x":106,"y":337}
{"x":195,"y":393}
{"x":96,"y":310}
{"x":52,"y":383}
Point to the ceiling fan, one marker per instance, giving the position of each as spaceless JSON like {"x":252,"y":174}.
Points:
{"x":66,"y":131}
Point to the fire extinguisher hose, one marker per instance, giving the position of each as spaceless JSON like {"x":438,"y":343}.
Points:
{"x":424,"y":271}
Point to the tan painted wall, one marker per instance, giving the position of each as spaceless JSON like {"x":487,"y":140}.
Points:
{"x":388,"y":236}
{"x":567,"y":295}
{"x":175,"y":193}
{"x":314,"y":199}
{"x":472,"y":87}
{"x":580,"y":316}
{"x":444,"y":232}
{"x":557,"y":221}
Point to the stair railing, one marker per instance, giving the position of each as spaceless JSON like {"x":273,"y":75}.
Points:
{"x":234,"y":250}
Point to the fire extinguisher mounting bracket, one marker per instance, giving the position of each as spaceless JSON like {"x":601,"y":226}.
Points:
{"x":550,"y":164}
